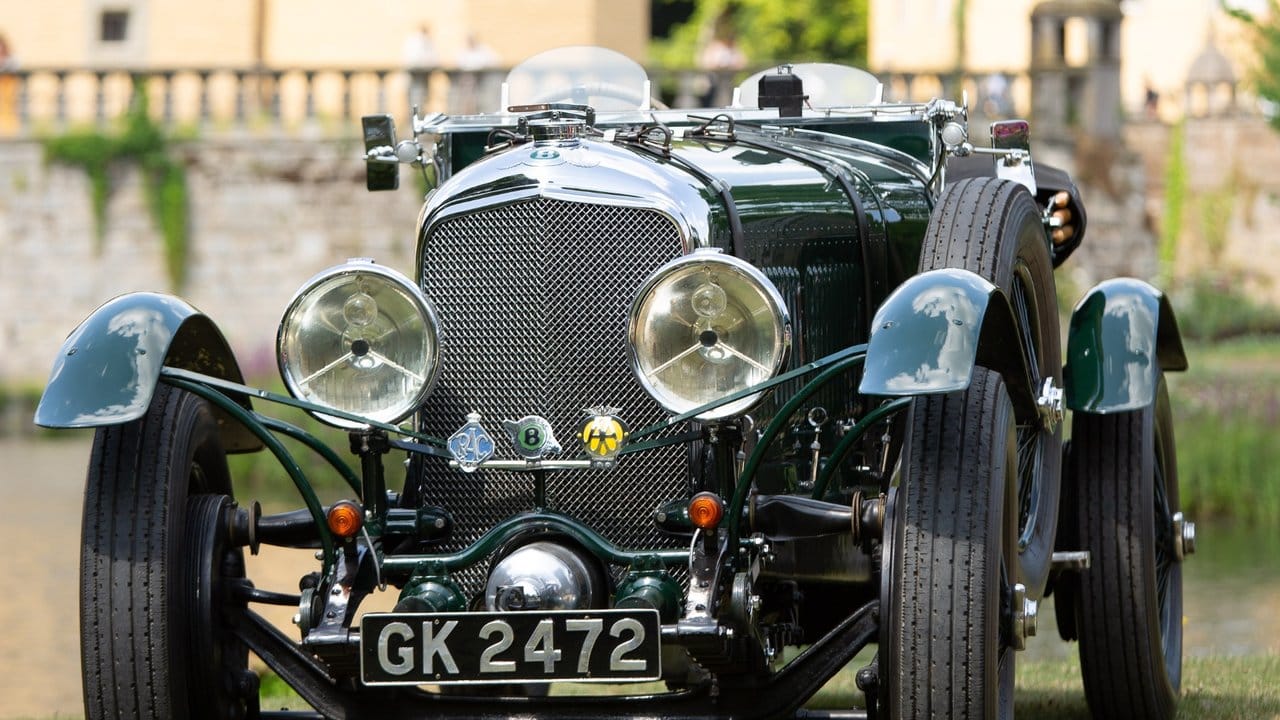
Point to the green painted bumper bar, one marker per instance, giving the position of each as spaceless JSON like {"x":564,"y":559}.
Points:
{"x":197,"y":385}
{"x":240,"y":389}
{"x":835,"y":365}
{"x":857,"y":352}
{"x":219,"y":391}
{"x":535,"y":522}
{"x":324,"y":451}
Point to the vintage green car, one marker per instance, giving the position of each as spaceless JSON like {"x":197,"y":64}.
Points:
{"x":711,"y":400}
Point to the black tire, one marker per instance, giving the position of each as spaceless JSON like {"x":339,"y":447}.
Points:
{"x":153,"y":621}
{"x":1129,"y":602}
{"x":993,"y":228}
{"x":942,"y":650}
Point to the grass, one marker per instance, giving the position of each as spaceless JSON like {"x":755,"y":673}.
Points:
{"x":1213,"y":688}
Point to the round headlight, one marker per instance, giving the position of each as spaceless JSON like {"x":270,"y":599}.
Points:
{"x":360,"y":338}
{"x":705,"y":326}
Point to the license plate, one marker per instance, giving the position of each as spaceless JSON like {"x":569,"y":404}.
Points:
{"x":526,"y":647}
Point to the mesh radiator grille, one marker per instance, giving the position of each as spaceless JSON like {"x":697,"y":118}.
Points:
{"x":534,"y":299}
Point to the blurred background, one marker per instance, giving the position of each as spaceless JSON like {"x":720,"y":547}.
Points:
{"x":213,"y":150}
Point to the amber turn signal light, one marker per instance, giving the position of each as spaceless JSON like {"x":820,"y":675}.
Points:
{"x":706,"y":510}
{"x":345,"y":519}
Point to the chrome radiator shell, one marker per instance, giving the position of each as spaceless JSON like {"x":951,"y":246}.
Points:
{"x":534,"y":297}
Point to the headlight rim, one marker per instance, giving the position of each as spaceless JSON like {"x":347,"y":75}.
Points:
{"x":768,"y":290}
{"x":423,"y":305}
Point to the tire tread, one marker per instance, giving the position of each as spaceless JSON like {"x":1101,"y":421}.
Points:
{"x":1124,"y":677}
{"x":983,"y":225}
{"x":129,"y":656}
{"x":947,"y":529}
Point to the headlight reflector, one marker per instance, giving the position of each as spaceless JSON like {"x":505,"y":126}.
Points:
{"x":705,"y":326}
{"x":360,"y":338}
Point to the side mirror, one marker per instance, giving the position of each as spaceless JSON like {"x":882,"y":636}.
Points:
{"x":381,"y":165}
{"x":1014,"y":138}
{"x":1011,"y":135}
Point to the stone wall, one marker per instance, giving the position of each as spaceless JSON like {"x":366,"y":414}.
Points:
{"x":1120,"y":239}
{"x":268,"y":214}
{"x":1230,"y":220}
{"x":264,"y":217}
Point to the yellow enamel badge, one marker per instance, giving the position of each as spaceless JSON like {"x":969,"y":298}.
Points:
{"x":603,"y":434}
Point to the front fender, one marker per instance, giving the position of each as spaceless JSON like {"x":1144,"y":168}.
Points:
{"x":1123,"y":333}
{"x":107,"y":369}
{"x":929,"y":334}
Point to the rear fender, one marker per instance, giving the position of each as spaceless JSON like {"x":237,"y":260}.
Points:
{"x":1122,"y":334}
{"x":107,"y":369}
{"x":929,"y":334}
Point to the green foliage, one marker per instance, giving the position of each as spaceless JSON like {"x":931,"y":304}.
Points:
{"x":277,"y":695}
{"x":1175,"y":191}
{"x":960,"y":21}
{"x":1214,"y":308}
{"x":25,"y":396}
{"x":769,"y":31}
{"x":1229,"y":466}
{"x":1266,"y":44}
{"x":1225,"y":409}
{"x":1216,"y":209}
{"x":140,"y":141}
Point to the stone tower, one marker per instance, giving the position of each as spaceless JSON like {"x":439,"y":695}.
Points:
{"x":1080,"y":97}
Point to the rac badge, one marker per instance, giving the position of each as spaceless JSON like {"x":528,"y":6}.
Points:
{"x":532,"y":437}
{"x":603,"y":434}
{"x":471,"y":445}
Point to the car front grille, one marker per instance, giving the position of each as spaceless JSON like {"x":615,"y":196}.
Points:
{"x":534,"y":299}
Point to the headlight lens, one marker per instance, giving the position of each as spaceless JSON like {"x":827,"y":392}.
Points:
{"x":705,"y":326}
{"x":360,"y":338}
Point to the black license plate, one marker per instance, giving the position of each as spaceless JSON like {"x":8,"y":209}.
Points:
{"x":442,"y":648}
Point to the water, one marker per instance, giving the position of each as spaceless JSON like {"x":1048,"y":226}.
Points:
{"x":1232,"y":583}
{"x":1231,"y":596}
{"x":1232,"y":591}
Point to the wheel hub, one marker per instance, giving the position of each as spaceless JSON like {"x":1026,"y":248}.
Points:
{"x":1025,"y":613}
{"x":1184,"y":537}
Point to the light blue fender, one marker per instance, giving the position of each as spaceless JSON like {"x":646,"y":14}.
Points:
{"x":1123,"y":333}
{"x":107,"y":369}
{"x":929,"y":334}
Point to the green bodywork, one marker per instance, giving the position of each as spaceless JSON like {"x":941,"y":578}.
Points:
{"x":107,"y":369}
{"x":802,"y":228}
{"x":835,"y":223}
{"x":928,"y":336}
{"x":1123,"y":335}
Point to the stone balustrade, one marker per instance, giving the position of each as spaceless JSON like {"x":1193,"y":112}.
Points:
{"x":329,"y":99}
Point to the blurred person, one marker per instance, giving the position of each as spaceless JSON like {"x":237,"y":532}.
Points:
{"x":8,"y":89}
{"x":720,"y":58}
{"x":995,"y":90}
{"x":420,"y":58}
{"x":476,"y":57}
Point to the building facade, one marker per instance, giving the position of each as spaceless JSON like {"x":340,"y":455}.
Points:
{"x":307,"y":33}
{"x":1160,"y":41}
